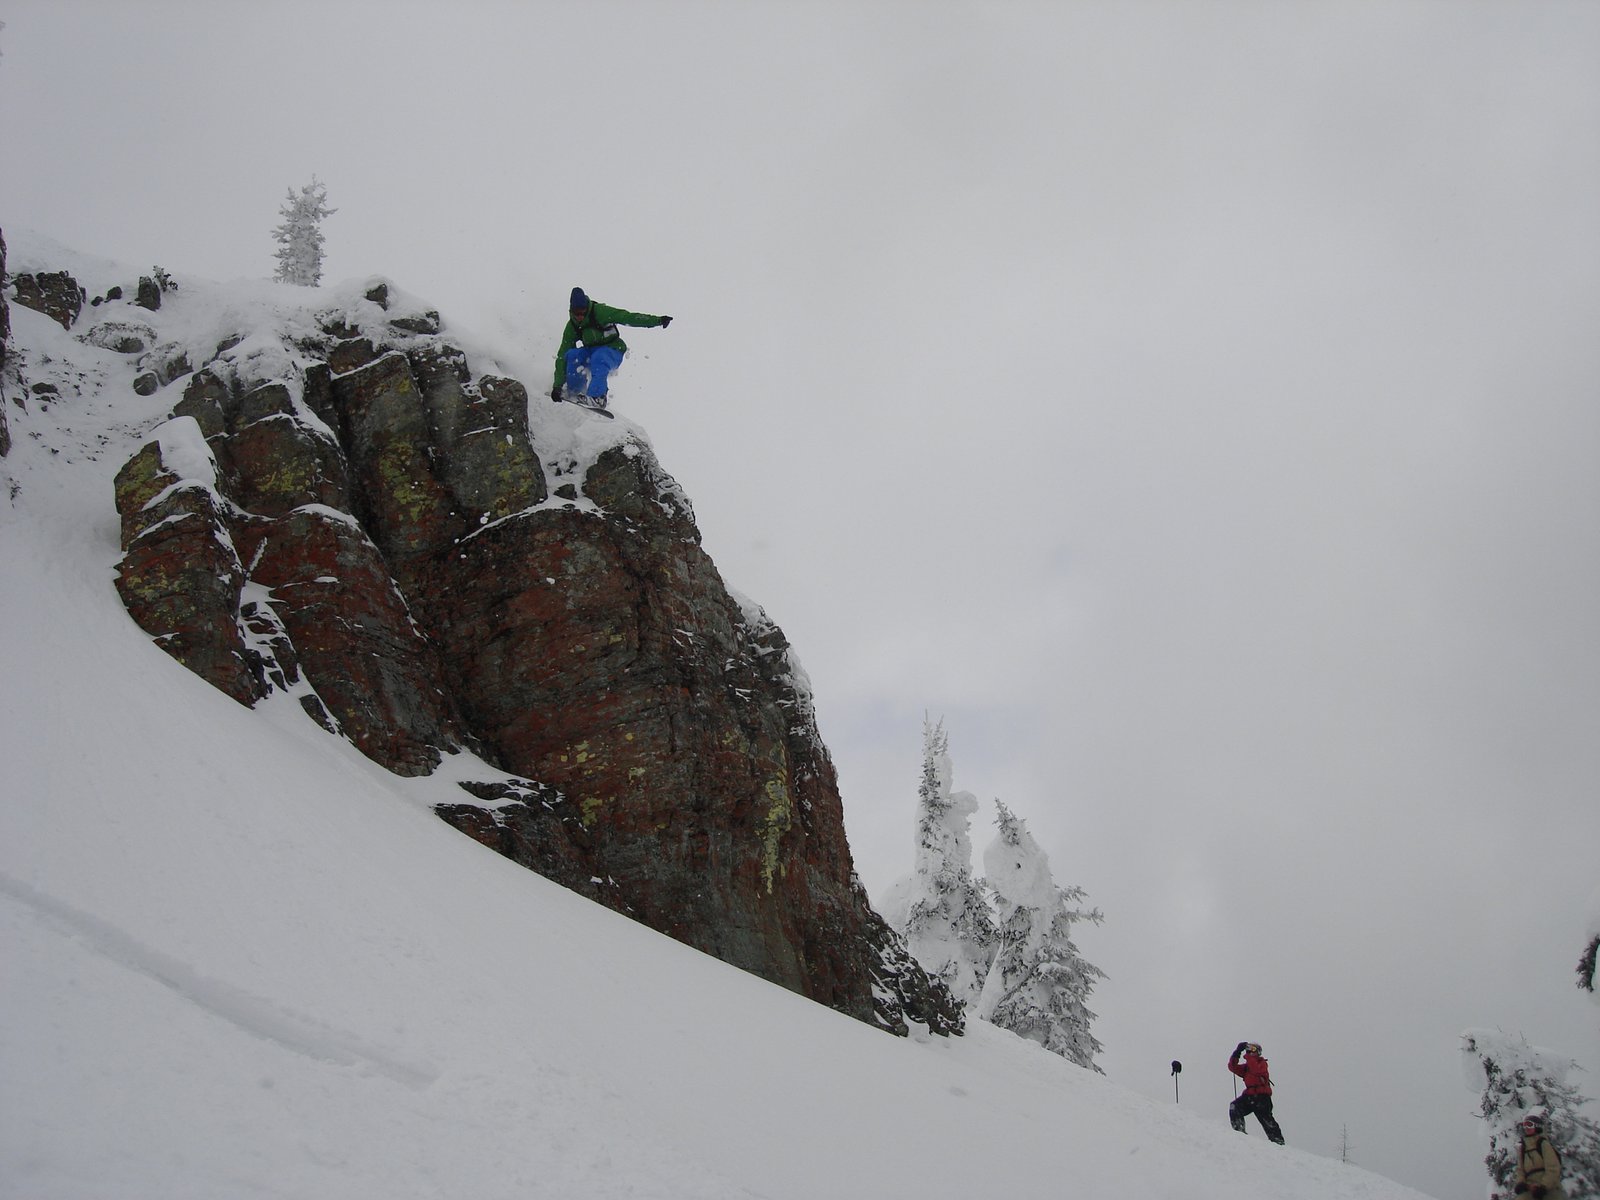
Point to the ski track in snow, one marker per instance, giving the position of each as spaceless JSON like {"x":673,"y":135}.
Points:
{"x":262,"y":1018}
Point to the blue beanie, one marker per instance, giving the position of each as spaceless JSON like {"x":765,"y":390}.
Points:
{"x":579,"y":300}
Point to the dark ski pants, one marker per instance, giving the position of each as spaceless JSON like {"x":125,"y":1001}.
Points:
{"x":1262,"y":1107}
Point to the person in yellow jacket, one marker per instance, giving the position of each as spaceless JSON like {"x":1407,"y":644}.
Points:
{"x":1538,"y":1164}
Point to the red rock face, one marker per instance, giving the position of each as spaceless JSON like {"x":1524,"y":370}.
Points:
{"x":181,"y":577}
{"x":431,"y":595}
{"x":354,"y":638}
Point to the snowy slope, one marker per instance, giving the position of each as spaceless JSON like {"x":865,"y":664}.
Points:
{"x":237,"y":960}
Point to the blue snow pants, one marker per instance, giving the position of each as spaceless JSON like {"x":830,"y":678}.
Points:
{"x":588,"y":369}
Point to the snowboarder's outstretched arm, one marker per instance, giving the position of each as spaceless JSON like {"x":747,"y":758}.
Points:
{"x":608,"y":315}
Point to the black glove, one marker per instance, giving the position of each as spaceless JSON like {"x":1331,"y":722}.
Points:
{"x":1239,"y":1049}
{"x":1538,"y":1192}
{"x":665,"y":321}
{"x":555,"y":394}
{"x":1520,"y":1188}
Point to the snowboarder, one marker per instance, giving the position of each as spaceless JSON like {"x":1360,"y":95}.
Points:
{"x":591,"y":349}
{"x":1257,"y":1096}
{"x":1538,"y":1164}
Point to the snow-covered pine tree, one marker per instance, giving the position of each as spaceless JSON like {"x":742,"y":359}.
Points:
{"x":1515,"y":1079}
{"x":299,"y":238}
{"x":1039,"y":984}
{"x":1587,"y":962}
{"x":941,"y":908}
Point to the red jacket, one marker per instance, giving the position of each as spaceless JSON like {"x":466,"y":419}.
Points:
{"x":1254,"y":1073}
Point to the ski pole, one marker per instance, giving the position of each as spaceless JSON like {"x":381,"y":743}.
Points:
{"x":1177,"y":1068}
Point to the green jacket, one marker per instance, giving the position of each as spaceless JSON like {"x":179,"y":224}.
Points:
{"x":599,"y":328}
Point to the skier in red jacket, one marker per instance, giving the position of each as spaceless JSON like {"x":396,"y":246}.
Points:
{"x":1257,"y":1096}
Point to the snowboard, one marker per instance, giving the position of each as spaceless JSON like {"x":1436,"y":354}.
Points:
{"x":593,"y":405}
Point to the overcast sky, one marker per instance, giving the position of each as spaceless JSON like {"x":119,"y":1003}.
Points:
{"x":1196,"y":405}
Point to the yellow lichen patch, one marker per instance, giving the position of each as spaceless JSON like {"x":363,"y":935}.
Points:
{"x":505,"y":475}
{"x":779,"y":819}
{"x":293,"y":478}
{"x":144,"y":478}
{"x":588,"y":806}
{"x":405,"y":494}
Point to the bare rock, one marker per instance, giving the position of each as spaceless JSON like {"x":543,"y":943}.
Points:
{"x":56,"y":294}
{"x":354,"y":637}
{"x":180,"y":576}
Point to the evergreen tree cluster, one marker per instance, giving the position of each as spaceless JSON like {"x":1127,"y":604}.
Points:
{"x":949,"y":927}
{"x":1038,"y":983}
{"x":1003,"y":945}
{"x":1518,"y":1079}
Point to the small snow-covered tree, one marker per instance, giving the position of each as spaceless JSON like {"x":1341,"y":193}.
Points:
{"x":1586,"y":962}
{"x":1514,"y":1079}
{"x":941,"y":909}
{"x":299,"y":238}
{"x":1039,"y":984}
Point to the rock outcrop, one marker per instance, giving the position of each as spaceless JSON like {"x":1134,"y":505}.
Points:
{"x":56,"y":294}
{"x":376,"y":530}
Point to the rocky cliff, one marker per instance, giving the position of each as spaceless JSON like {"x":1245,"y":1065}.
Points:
{"x":345,"y":507}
